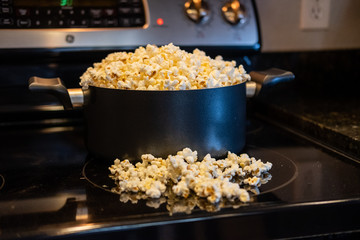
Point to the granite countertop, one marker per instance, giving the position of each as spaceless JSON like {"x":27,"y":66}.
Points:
{"x":323,"y":101}
{"x":334,"y":121}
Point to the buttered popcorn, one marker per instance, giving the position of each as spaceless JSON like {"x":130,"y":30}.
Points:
{"x":210,"y":178}
{"x":162,"y":68}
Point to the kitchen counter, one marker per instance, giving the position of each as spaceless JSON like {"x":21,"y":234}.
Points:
{"x":323,"y":102}
{"x":333,"y":121}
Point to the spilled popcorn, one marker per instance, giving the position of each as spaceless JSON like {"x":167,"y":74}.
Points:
{"x":162,"y":68}
{"x":209,"y":179}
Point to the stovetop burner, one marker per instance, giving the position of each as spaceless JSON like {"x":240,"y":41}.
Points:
{"x":283,"y":172}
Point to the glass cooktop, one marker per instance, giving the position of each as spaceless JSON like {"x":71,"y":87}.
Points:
{"x":50,"y":187}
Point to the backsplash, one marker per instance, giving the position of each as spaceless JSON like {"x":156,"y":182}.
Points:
{"x":280,"y":27}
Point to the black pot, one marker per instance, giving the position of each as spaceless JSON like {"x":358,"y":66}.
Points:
{"x":128,"y":123}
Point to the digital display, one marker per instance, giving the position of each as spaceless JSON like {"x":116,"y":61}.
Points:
{"x":65,"y":3}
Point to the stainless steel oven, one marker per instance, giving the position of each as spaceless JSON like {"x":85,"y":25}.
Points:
{"x":120,"y":24}
{"x":50,"y":187}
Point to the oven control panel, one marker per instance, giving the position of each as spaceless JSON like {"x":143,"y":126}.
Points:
{"x":39,"y":14}
{"x":112,"y":24}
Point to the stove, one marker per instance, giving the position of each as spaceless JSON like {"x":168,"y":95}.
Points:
{"x":51,"y":188}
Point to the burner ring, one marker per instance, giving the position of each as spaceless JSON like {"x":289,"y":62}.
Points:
{"x":283,"y":172}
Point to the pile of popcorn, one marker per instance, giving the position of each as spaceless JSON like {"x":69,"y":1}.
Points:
{"x":178,"y":204}
{"x":210,"y":178}
{"x":162,"y":68}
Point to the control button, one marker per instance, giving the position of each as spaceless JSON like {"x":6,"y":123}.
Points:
{"x":197,"y":10}
{"x":36,"y":12}
{"x":61,"y":23}
{"x":124,"y":1}
{"x":137,"y":10}
{"x":84,"y":23}
{"x":125,"y":22}
{"x":42,"y":12}
{"x":96,"y":12}
{"x":138,"y":21}
{"x":66,"y":12}
{"x":111,"y":22}
{"x":23,"y":22}
{"x":78,"y":23}
{"x":37,"y":22}
{"x":80,"y":11}
{"x":6,"y":10}
{"x":49,"y":23}
{"x":125,"y":10}
{"x":6,"y":22}
{"x":72,"y":23}
{"x":234,"y":12}
{"x":23,"y":12}
{"x":96,"y":23}
{"x":110,"y":12}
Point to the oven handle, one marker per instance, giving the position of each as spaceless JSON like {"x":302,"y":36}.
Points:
{"x":70,"y":98}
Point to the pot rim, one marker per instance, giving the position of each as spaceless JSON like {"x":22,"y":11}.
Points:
{"x":157,"y":91}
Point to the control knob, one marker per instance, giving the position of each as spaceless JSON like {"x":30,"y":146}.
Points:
{"x":197,"y":10}
{"x":234,"y":12}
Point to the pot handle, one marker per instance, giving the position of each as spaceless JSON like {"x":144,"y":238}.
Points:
{"x":69,"y":98}
{"x":266,"y":78}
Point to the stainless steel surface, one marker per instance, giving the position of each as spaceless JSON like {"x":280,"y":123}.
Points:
{"x":250,"y":89}
{"x":76,"y":97}
{"x":176,"y":28}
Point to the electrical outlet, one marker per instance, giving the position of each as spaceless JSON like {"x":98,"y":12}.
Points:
{"x":314,"y":14}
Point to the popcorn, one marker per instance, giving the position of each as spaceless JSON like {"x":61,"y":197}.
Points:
{"x":181,"y":189}
{"x":185,"y":176}
{"x":156,"y":189}
{"x":163,"y":68}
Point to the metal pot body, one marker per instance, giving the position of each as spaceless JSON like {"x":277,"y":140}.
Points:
{"x":128,"y":123}
{"x":125,"y":124}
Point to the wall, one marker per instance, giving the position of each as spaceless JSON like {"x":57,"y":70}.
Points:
{"x":280,"y":27}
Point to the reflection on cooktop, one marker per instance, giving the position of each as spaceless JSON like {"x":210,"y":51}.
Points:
{"x":282,"y":173}
{"x":253,"y":126}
